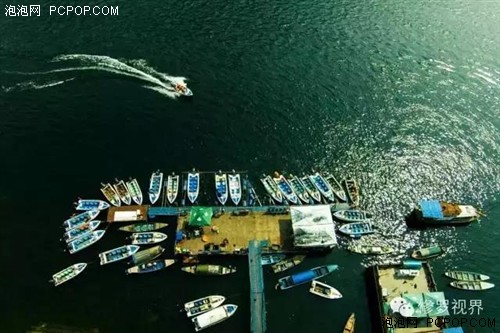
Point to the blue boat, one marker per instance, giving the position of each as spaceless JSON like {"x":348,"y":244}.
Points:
{"x":304,"y":277}
{"x":269,"y":259}
{"x":151,"y":266}
{"x":117,"y":254}
{"x":85,"y":241}
{"x":434,"y":212}
{"x":221,"y":187}
{"x":155,"y":184}
{"x":91,"y":204}
{"x":357,"y":229}
{"x":324,"y":188}
{"x":144,"y":238}
{"x":193,"y":186}
{"x":286,"y":189}
{"x":80,"y":219}
{"x":74,"y":233}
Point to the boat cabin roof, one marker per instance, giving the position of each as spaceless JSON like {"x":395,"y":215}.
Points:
{"x":431,"y":209}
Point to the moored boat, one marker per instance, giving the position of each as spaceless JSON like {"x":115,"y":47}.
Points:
{"x":352,"y":190}
{"x":286,"y":189}
{"x":466,"y":276}
{"x":235,"y":187}
{"x":472,"y":285}
{"x":143,"y":227}
{"x":204,"y":304}
{"x":122,"y":191}
{"x":150,"y":237}
{"x":79,"y":231}
{"x":209,"y":269}
{"x":337,"y":189}
{"x":213,"y":316}
{"x":306,"y":276}
{"x":135,"y":191}
{"x":110,"y":194}
{"x":85,"y":241}
{"x":287,"y":264}
{"x":311,"y":188}
{"x":370,"y":249}
{"x":352,"y":215}
{"x":193,"y":186}
{"x":269,"y":259}
{"x":427,"y":252}
{"x":91,"y":204}
{"x":434,"y":212}
{"x":190,"y":260}
{"x":322,"y":186}
{"x":155,"y":185}
{"x":146,"y":255}
{"x":324,"y":290}
{"x":349,"y":325}
{"x":118,"y":253}
{"x":68,"y":273}
{"x":151,"y":266}
{"x":299,"y":189}
{"x":272,"y":189}
{"x":80,"y":219}
{"x":172,"y":187}
{"x":357,"y":229}
{"x":221,"y":187}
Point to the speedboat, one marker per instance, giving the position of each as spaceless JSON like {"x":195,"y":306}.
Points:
{"x":68,"y":273}
{"x":155,"y":184}
{"x":299,"y":188}
{"x":172,"y":187}
{"x":235,"y":187}
{"x":286,"y":189}
{"x":272,"y":188}
{"x":221,"y":187}
{"x":323,"y":186}
{"x":117,"y":254}
{"x":91,"y":204}
{"x":201,"y":305}
{"x":135,"y":191}
{"x":193,"y":186}
{"x":182,"y":89}
{"x":122,"y":191}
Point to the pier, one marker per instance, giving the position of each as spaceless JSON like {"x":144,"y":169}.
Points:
{"x":257,"y":297}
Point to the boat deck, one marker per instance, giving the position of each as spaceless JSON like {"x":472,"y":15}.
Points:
{"x":131,"y":213}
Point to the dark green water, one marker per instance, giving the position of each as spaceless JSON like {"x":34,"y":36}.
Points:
{"x":404,"y":95}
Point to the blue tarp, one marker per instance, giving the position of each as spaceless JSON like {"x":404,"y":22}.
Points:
{"x":431,"y":209}
{"x":303,"y":277}
{"x":453,"y":330}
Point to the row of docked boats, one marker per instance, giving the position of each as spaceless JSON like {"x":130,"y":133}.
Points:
{"x":469,"y":280}
{"x":226,"y":186}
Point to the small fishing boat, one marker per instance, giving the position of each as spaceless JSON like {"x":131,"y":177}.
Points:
{"x":209,"y":269}
{"x":272,"y":189}
{"x":117,"y":254}
{"x":466,"y":276}
{"x":370,"y":249}
{"x":91,"y":204}
{"x":306,"y":276}
{"x":299,"y":188}
{"x":85,"y":241}
{"x":204,"y":304}
{"x":337,"y":189}
{"x":110,"y":194}
{"x":74,"y":233}
{"x":287,"y":264}
{"x":122,"y":191}
{"x":143,"y":227}
{"x":286,"y":189}
{"x":349,"y":325}
{"x":182,"y":89}
{"x":357,"y":229}
{"x":323,"y":186}
{"x":352,"y":190}
{"x":269,"y":259}
{"x":213,"y":316}
{"x":150,"y":237}
{"x":151,"y":266}
{"x":80,"y":219}
{"x":324,"y":290}
{"x":190,"y":260}
{"x":440,"y":213}
{"x":427,"y":253}
{"x":193,"y":186}
{"x":221,"y":187}
{"x":235,"y":187}
{"x":311,"y":188}
{"x":68,"y":273}
{"x":472,"y":285}
{"x":155,"y":185}
{"x":172,"y":187}
{"x":146,"y":255}
{"x":135,"y":190}
{"x":352,"y":215}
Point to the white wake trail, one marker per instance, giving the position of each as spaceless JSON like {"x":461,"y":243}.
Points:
{"x":34,"y":85}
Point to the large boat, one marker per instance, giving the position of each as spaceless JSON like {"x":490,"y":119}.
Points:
{"x":74,"y":233}
{"x":323,"y":186}
{"x":204,"y":304}
{"x":182,"y":89}
{"x":287,"y":264}
{"x":85,"y":241}
{"x":272,"y":189}
{"x":221,"y":187}
{"x":110,"y":194}
{"x":357,"y":229}
{"x":324,"y":290}
{"x":155,"y":185}
{"x":349,"y":325}
{"x":146,"y":255}
{"x":122,"y":191}
{"x":172,"y":187}
{"x":370,"y":249}
{"x":269,"y":259}
{"x":135,"y":191}
{"x":434,"y":212}
{"x":146,"y":238}
{"x":193,"y":186}
{"x":68,"y":273}
{"x":213,"y":316}
{"x":352,"y":190}
{"x":151,"y":266}
{"x":466,"y":276}
{"x":235,"y":187}
{"x":143,"y":227}
{"x":299,"y":188}
{"x":306,"y":276}
{"x":209,"y":269}
{"x":311,"y":188}
{"x":427,"y":252}
{"x":80,"y":219}
{"x":91,"y":204}
{"x":352,"y":216}
{"x":286,"y":189}
{"x":117,"y":254}
{"x":337,"y":189}
{"x":472,"y":285}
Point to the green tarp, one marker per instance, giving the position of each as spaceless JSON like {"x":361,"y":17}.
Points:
{"x":200,"y":216}
{"x":431,"y":304}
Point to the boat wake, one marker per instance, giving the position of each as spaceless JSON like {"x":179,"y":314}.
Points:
{"x":136,"y":69}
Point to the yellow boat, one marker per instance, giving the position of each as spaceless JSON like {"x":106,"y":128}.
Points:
{"x":349,"y":325}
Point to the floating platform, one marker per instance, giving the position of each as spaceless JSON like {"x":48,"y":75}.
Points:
{"x":128,"y":214}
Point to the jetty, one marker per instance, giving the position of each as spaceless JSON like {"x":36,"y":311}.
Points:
{"x":257,"y":296}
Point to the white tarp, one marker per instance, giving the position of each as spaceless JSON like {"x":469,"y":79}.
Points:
{"x":313,"y":226}
{"x":126,"y":216}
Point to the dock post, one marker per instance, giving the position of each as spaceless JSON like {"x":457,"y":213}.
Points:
{"x":257,"y":297}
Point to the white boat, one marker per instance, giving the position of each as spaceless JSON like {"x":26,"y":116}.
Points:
{"x":214,"y":316}
{"x":323,"y":186}
{"x":221,"y":187}
{"x":68,"y":273}
{"x":272,"y":188}
{"x":472,"y":285}
{"x":286,"y":189}
{"x":352,"y":190}
{"x":352,"y":216}
{"x":299,"y":188}
{"x":135,"y":191}
{"x":324,"y":290}
{"x":193,"y":186}
{"x":91,"y":204}
{"x":337,"y":189}
{"x":172,"y":187}
{"x":370,"y":249}
{"x":235,"y":187}
{"x":152,"y":237}
{"x":466,"y":276}
{"x":357,"y":229}
{"x":182,"y":89}
{"x":85,"y":241}
{"x":311,"y":188}
{"x":204,"y":304}
{"x":110,"y":194}
{"x":117,"y":254}
{"x":122,"y":191}
{"x":80,"y":219}
{"x":74,"y":233}
{"x":151,"y":266}
{"x":155,"y":185}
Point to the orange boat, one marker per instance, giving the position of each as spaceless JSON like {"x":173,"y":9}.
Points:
{"x":349,"y":325}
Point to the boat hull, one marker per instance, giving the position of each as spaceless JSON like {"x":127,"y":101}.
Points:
{"x":323,"y":187}
{"x":213,"y":316}
{"x":286,"y":189}
{"x":311,"y":188}
{"x":80,"y":219}
{"x":272,"y":189}
{"x":221,"y":188}
{"x":91,"y":204}
{"x":74,"y":233}
{"x":235,"y":188}
{"x":122,"y":191}
{"x":324,"y":290}
{"x":472,"y":285}
{"x":68,"y":273}
{"x":117,"y":254}
{"x":172,"y":188}
{"x":85,"y":241}
{"x":143,"y":227}
{"x":152,"y":266}
{"x":466,"y":276}
{"x":110,"y":194}
{"x":146,"y":238}
{"x":269,"y":259}
{"x":202,"y":305}
{"x":306,"y":276}
{"x":146,"y":255}
{"x":352,"y":191}
{"x":135,"y":191}
{"x":155,"y":185}
{"x":193,"y":186}
{"x":209,"y":270}
{"x":287,"y":264}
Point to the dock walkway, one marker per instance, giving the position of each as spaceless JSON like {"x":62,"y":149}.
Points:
{"x":257,"y":297}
